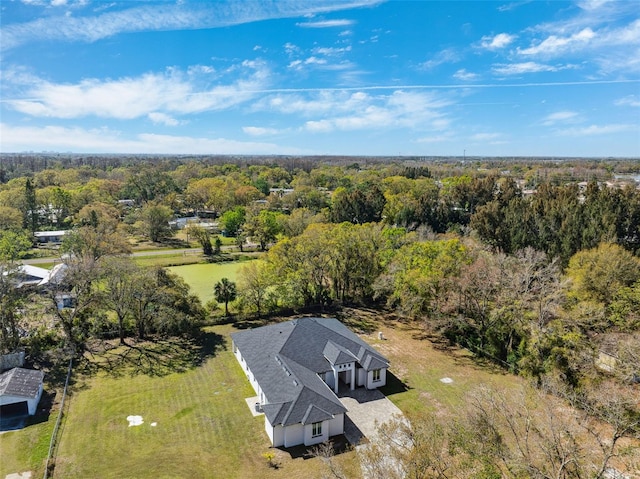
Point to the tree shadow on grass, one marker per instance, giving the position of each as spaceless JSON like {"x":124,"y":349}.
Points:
{"x":153,"y":357}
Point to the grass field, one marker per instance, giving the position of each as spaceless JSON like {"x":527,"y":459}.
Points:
{"x":203,"y":425}
{"x":204,"y":428}
{"x":202,"y":277}
{"x":26,"y":449}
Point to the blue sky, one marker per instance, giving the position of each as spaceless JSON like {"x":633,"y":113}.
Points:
{"x":354,"y":77}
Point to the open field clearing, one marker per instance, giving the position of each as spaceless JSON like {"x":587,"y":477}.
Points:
{"x":426,"y":375}
{"x":202,"y":277}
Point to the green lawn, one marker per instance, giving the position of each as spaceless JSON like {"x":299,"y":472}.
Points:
{"x":26,"y":449}
{"x":202,"y":277}
{"x":203,"y":425}
{"x":194,"y":391}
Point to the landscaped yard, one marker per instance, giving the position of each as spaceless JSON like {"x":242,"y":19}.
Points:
{"x":203,"y":427}
{"x":196,"y":421}
{"x":202,"y":277}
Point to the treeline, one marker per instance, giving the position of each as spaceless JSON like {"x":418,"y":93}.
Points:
{"x":482,"y":258}
{"x":522,"y":310}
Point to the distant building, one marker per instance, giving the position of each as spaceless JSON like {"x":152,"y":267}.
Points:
{"x":49,"y":236}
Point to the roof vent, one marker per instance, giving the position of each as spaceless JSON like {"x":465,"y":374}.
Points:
{"x":295,"y":382}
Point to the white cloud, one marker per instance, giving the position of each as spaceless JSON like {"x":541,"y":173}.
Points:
{"x":560,"y":117}
{"x":485,"y":136}
{"x":597,"y":130}
{"x":524,"y":67}
{"x":162,"y":118}
{"x":448,"y":55}
{"x":445,"y":56}
{"x":259,"y":131}
{"x":299,"y":64}
{"x":464,"y":75}
{"x":501,"y":40}
{"x":554,"y":45}
{"x":341,"y":111}
{"x":631,"y":100}
{"x":326,"y":24}
{"x":102,"y":140}
{"x":435,"y":139}
{"x":198,"y":15}
{"x":622,"y":60}
{"x":127,"y":98}
{"x":290,"y":48}
{"x":331,"y":51}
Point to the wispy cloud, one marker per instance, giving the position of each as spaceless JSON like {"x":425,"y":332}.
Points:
{"x":168,"y":17}
{"x":497,"y":42}
{"x":103,"y":140}
{"x":560,"y":117}
{"x":526,"y":67}
{"x":326,"y":23}
{"x":464,"y":75}
{"x":300,"y":64}
{"x":259,"y":131}
{"x":162,"y":118}
{"x":597,"y":130}
{"x":485,"y":136}
{"x":512,"y":6}
{"x":553,"y":45}
{"x":631,"y":100}
{"x":153,"y":94}
{"x":331,"y":51}
{"x":448,"y":55}
{"x":344,"y":111}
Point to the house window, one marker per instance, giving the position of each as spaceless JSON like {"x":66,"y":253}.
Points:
{"x":316,"y":429}
{"x":376,"y":375}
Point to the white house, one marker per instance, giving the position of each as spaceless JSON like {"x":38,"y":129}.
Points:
{"x":297,"y":367}
{"x":50,"y":236}
{"x":19,"y":385}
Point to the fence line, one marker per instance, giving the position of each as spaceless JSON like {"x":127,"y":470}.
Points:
{"x":55,"y":429}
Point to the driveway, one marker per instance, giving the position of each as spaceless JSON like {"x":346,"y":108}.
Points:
{"x":366,"y":408}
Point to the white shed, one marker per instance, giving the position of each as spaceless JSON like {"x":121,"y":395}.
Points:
{"x":19,"y":385}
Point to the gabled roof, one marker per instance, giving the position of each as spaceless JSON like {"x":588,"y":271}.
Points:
{"x":21,"y":382}
{"x":286,"y":358}
{"x":336,"y":354}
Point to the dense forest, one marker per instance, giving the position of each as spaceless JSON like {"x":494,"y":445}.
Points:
{"x":532,"y":264}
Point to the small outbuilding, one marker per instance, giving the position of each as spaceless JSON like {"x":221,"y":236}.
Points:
{"x":19,"y":385}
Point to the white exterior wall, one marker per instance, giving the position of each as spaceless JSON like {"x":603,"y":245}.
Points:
{"x":293,"y":435}
{"x":276,"y":434}
{"x":362,"y":377}
{"x":336,"y":425}
{"x":32,"y":403}
{"x":308,"y":430}
{"x":329,"y":379}
{"x":250,"y":376}
{"x":377,"y":384}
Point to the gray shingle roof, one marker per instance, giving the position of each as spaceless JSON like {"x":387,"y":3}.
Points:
{"x":286,"y":358}
{"x":21,"y":382}
{"x":337,"y":355}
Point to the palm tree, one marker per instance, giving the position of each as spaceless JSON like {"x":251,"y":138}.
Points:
{"x":225,"y":291}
